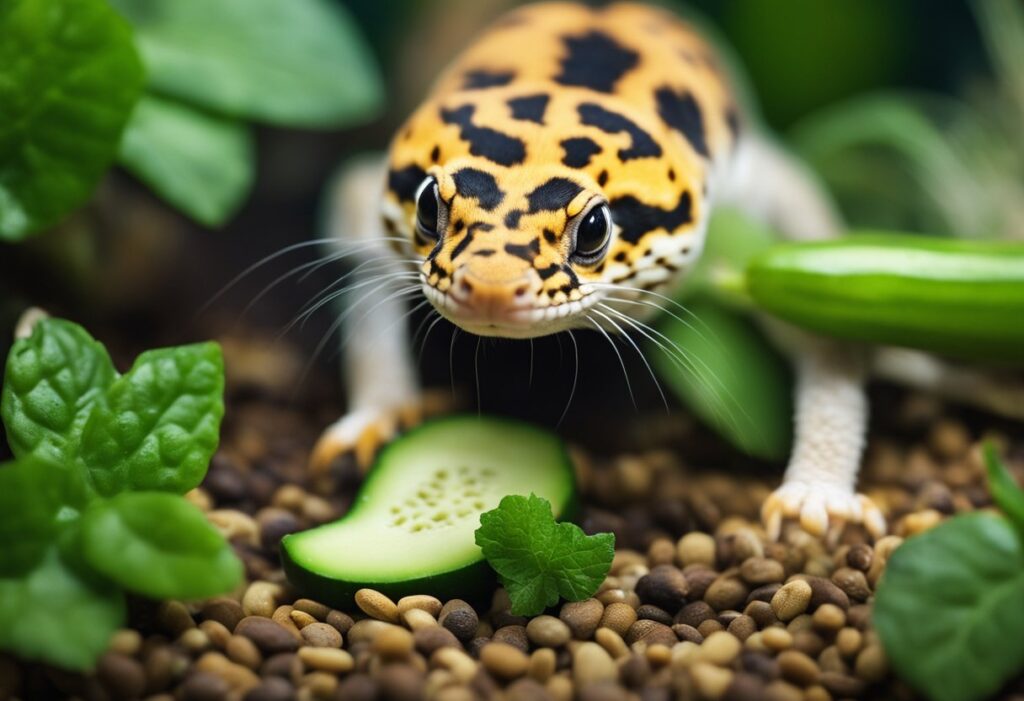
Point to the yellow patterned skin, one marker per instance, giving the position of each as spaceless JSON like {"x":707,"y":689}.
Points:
{"x":555,"y":110}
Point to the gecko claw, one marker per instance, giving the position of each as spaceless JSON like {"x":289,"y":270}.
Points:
{"x":820,"y":508}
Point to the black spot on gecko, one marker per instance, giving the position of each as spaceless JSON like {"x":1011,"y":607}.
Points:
{"x":642,"y":146}
{"x":527,"y":251}
{"x":483,"y":141}
{"x":513,"y":217}
{"x":474,"y":80}
{"x":553,"y":195}
{"x":479,"y":185}
{"x":485,"y":252}
{"x":637,"y":218}
{"x":405,"y":181}
{"x":549,"y":271}
{"x":578,"y":151}
{"x":530,"y":108}
{"x":672,"y":175}
{"x":682,"y":113}
{"x":602,"y":178}
{"x":620,"y":257}
{"x":468,"y":238}
{"x":458,"y":226}
{"x":550,"y":236}
{"x":596,"y":61}
{"x":435,"y":154}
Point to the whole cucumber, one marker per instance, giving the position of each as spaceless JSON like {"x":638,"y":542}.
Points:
{"x":949,"y":296}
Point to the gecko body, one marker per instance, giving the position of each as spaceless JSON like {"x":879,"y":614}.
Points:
{"x":560,"y":176}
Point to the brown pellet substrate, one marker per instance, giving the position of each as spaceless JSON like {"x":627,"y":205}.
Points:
{"x":699,"y":604}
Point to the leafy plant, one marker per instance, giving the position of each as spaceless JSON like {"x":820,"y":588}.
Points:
{"x":164,"y":93}
{"x":539,"y":560}
{"x":91,"y":505}
{"x":950,"y":606}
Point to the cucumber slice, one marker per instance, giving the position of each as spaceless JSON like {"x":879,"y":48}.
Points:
{"x":411,"y":528}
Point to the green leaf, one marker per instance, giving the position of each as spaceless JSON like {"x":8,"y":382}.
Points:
{"x":160,"y":424}
{"x":950,"y":608}
{"x":30,"y":501}
{"x":70,"y":78}
{"x":53,"y":379}
{"x":158,"y":545}
{"x":1005,"y":491}
{"x":540,"y":560}
{"x":300,"y":62}
{"x":200,"y":163}
{"x":56,"y":614}
{"x":727,"y":373}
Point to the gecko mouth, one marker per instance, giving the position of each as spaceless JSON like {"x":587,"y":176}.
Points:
{"x":518,"y":322}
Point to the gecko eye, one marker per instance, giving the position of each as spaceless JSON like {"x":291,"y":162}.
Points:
{"x":427,"y":210}
{"x":592,"y":235}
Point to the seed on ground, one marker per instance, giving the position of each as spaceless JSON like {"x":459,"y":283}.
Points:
{"x":791,"y":600}
{"x":584,"y":617}
{"x":393,"y":643}
{"x":301,"y":618}
{"x":591,"y":664}
{"x":269,"y":636}
{"x":612,"y":642}
{"x":423,"y":602}
{"x":542,"y":664}
{"x":849,"y":641}
{"x":377,"y":605}
{"x":327,"y":659}
{"x":696,"y":549}
{"x":547,"y":631}
{"x":260,"y":599}
{"x":460,"y":618}
{"x":313,"y":608}
{"x":418,"y":618}
{"x":710,"y":681}
{"x":617,"y":616}
{"x":719,"y":648}
{"x":503,"y":660}
{"x":777,"y":638}
{"x":798,"y":667}
{"x":321,"y":635}
{"x":829,"y":617}
{"x":242,"y":650}
{"x":871,"y":664}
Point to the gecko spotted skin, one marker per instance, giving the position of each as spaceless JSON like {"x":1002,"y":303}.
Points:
{"x":560,"y":176}
{"x":621,"y":109}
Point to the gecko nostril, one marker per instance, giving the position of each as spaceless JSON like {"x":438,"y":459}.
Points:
{"x":521,"y":291}
{"x":466,"y":286}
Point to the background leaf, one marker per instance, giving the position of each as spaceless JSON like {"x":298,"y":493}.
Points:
{"x":1006,"y":493}
{"x":728,"y":374}
{"x":161,"y":423}
{"x":200,"y":163}
{"x":158,"y":545}
{"x":57,"y":615}
{"x":950,"y":608}
{"x":300,"y":62}
{"x":30,"y":498}
{"x":70,"y":78}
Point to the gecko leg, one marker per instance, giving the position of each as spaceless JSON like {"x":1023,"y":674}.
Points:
{"x":831,"y":421}
{"x":383,"y":390}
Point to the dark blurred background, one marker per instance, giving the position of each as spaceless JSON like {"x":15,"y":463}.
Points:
{"x":136,"y":273}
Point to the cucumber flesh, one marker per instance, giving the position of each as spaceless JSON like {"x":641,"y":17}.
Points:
{"x":411,"y":528}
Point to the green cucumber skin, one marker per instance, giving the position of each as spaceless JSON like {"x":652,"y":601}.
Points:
{"x":956,"y":297}
{"x":474,"y":581}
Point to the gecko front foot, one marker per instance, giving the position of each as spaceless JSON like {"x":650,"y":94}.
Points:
{"x":817,"y":505}
{"x":362,"y":433}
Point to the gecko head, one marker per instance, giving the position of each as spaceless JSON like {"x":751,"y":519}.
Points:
{"x":520,"y":256}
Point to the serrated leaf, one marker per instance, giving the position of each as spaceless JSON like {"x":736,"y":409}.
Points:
{"x":160,"y":424}
{"x":725,"y":371}
{"x":158,"y":545}
{"x":539,"y":560}
{"x":200,"y":163}
{"x":300,"y":62}
{"x":950,"y":608}
{"x":70,"y":78}
{"x":57,"y":615}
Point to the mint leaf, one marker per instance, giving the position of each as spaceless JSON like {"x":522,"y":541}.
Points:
{"x":1005,"y":492}
{"x":539,"y":560}
{"x":950,"y":608}
{"x":70,"y":78}
{"x":56,"y":614}
{"x":200,"y":163}
{"x":158,"y":545}
{"x":160,"y":423}
{"x":52,"y":380}
{"x":30,"y":500}
{"x":299,"y":63}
